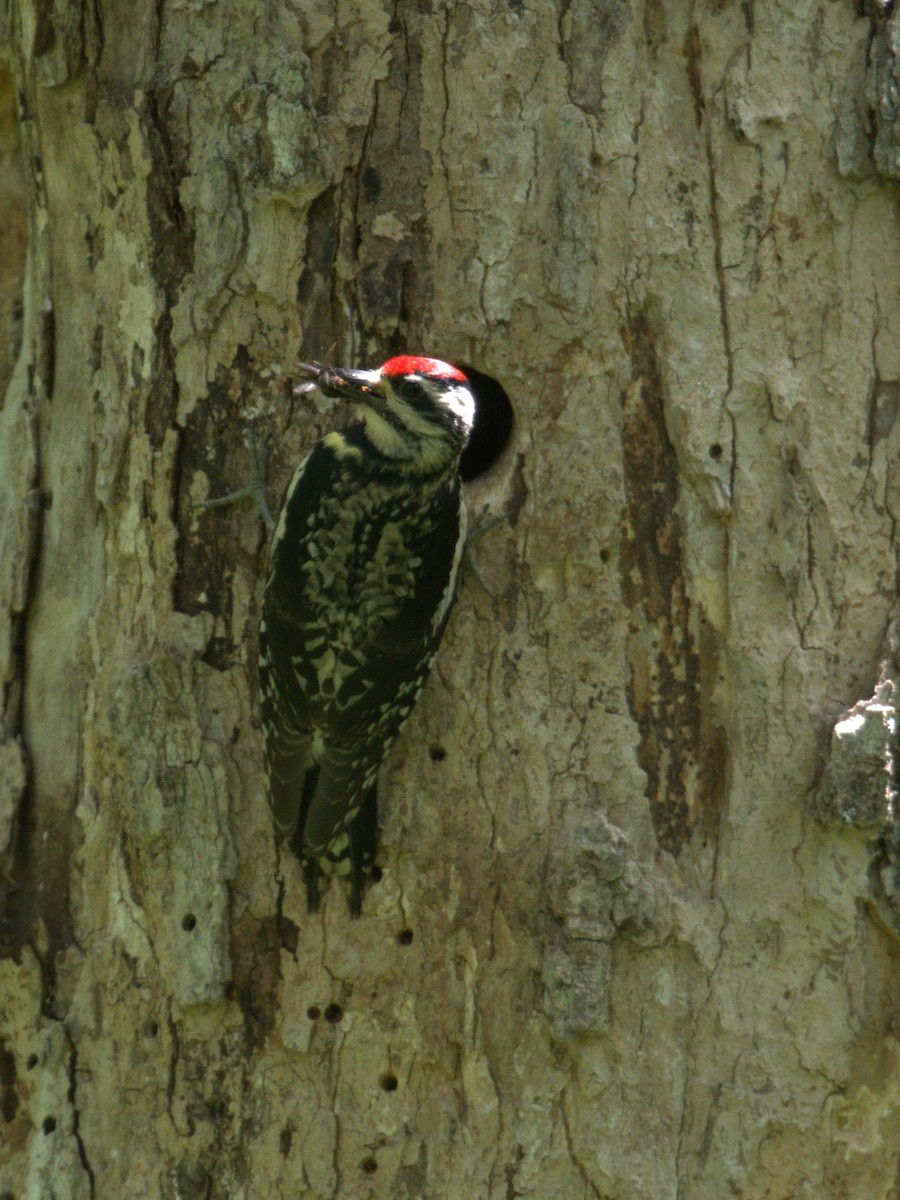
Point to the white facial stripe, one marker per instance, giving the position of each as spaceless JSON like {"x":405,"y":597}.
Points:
{"x":460,"y":401}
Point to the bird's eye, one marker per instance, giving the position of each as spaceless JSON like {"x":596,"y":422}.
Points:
{"x":411,"y":389}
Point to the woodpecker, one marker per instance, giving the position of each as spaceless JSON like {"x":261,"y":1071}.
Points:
{"x":362,"y":576}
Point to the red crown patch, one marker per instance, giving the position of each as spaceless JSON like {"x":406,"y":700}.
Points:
{"x":411,"y":364}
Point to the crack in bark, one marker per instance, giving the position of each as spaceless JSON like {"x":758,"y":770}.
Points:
{"x":174,"y":1056}
{"x":719,"y":263}
{"x":693,"y":56}
{"x":76,"y":1118}
{"x":590,"y":1188}
{"x":21,"y":878}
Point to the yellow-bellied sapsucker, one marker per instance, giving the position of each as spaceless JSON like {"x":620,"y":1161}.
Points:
{"x":362,"y":576}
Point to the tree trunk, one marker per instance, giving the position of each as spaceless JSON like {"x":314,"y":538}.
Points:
{"x":636,"y":936}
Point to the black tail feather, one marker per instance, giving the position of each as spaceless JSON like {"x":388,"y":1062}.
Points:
{"x":362,"y":841}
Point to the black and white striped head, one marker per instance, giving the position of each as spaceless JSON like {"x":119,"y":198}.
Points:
{"x":418,"y":411}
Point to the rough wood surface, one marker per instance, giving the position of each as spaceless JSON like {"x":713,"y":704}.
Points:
{"x":637,"y":932}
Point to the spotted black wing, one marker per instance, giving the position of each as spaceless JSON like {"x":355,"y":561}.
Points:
{"x":286,"y":674}
{"x":362,"y":578}
{"x":376,"y":696}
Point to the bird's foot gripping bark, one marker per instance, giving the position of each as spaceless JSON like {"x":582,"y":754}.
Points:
{"x":255,"y":489}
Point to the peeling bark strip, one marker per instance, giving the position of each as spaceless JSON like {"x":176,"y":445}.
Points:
{"x":672,"y":650}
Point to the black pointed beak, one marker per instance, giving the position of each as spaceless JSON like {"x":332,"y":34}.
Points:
{"x":342,"y":383}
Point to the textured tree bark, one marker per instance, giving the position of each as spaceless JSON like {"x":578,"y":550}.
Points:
{"x":637,"y":931}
